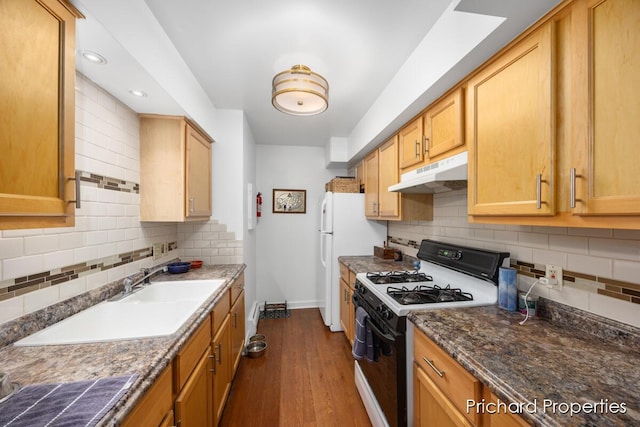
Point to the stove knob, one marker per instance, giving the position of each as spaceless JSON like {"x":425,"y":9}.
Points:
{"x":386,"y":314}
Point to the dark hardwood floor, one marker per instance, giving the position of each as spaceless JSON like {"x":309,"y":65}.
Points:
{"x":304,"y":379}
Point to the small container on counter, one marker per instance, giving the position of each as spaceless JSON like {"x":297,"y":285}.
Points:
{"x":507,"y":289}
{"x":532,"y":302}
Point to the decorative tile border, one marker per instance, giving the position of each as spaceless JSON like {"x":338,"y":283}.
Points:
{"x":625,"y":291}
{"x":33,"y":282}
{"x":108,"y":183}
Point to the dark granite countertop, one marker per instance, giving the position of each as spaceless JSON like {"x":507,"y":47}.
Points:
{"x":145,"y":357}
{"x":368,"y":263}
{"x":571,"y":358}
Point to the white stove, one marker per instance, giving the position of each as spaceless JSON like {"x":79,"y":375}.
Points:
{"x":448,"y":276}
{"x":445,"y":289}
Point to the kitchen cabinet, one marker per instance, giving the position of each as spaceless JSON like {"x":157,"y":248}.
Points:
{"x":193,"y":406}
{"x":347,"y":309}
{"x":442,"y":388}
{"x":37,"y":169}
{"x":155,"y":405}
{"x":606,"y":130}
{"x":443,"y":124}
{"x":510,"y":131}
{"x":380,"y":172}
{"x":221,"y":369}
{"x":436,"y":134}
{"x":237,"y":332}
{"x":175,"y":170}
{"x":589,"y":180}
{"x":410,"y":139}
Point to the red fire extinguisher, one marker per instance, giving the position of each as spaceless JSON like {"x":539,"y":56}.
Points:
{"x":259,"y":205}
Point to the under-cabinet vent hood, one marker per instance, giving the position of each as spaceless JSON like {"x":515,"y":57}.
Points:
{"x":446,"y":175}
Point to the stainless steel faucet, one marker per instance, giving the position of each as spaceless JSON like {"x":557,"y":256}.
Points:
{"x":130,"y":285}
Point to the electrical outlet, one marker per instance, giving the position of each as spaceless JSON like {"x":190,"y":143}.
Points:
{"x":158,"y":250}
{"x":554,"y":272}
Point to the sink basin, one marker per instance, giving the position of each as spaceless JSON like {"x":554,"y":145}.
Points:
{"x":158,"y":309}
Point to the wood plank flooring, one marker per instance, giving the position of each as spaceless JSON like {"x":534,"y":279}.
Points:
{"x":304,"y":379}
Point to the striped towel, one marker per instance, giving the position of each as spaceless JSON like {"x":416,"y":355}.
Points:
{"x":81,"y":403}
{"x":363,"y":339}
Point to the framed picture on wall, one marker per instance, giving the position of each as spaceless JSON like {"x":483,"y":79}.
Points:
{"x":289,"y":201}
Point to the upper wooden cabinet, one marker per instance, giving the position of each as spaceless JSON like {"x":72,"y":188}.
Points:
{"x":381,"y":171}
{"x":37,"y":106}
{"x":410,"y":140}
{"x":443,"y":124}
{"x":175,"y":170}
{"x":606,"y":85}
{"x":510,"y":131}
{"x":577,"y":130}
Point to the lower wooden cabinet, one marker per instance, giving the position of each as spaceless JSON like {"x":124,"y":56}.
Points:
{"x":193,"y":389}
{"x":347,"y":309}
{"x":221,"y":369}
{"x":193,"y":404}
{"x":442,"y":389}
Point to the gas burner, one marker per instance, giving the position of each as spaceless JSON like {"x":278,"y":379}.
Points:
{"x":390,"y":277}
{"x":422,"y":294}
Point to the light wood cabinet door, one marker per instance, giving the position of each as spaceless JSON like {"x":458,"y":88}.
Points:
{"x":198,"y":171}
{"x":237,"y":332}
{"x":431,"y":406}
{"x":511,"y":134}
{"x":221,"y":369}
{"x":371,"y":192}
{"x":410,"y":138}
{"x":155,"y":404}
{"x":388,"y":174}
{"x":500,"y":418}
{"x":443,"y":127}
{"x":193,"y":406}
{"x":37,"y":110}
{"x":175,"y":170}
{"x":346,"y":310}
{"x":607,"y":125}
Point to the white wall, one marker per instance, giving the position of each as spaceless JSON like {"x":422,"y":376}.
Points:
{"x":608,"y":253}
{"x":287,"y":244}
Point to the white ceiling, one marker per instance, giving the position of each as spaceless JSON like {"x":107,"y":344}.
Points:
{"x":218,"y":54}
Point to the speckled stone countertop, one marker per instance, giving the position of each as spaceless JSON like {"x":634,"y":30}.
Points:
{"x":569,"y":357}
{"x":364,"y":264}
{"x":145,"y":357}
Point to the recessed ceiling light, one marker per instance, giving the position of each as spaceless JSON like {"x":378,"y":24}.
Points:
{"x":139,"y":93}
{"x":94,"y":57}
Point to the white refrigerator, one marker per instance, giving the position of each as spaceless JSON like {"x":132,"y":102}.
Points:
{"x":344,"y":230}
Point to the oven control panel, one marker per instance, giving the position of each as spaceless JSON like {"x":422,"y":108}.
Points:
{"x":449,"y":254}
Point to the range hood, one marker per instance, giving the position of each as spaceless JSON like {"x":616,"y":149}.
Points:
{"x":445,"y":175}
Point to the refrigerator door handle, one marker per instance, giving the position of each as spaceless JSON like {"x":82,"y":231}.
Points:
{"x":323,"y":215}
{"x":322,"y":245}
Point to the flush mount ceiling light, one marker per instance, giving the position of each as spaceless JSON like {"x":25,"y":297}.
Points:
{"x":139,"y":93}
{"x":96,"y":58}
{"x":300,"y":92}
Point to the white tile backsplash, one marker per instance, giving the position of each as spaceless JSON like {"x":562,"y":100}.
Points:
{"x":600,"y":252}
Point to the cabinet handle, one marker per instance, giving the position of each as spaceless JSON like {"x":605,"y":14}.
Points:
{"x":430,"y":363}
{"x":219,"y":353}
{"x":235,"y":320}
{"x":417,"y":148}
{"x":539,"y":182}
{"x":76,"y":178}
{"x":426,"y":144}
{"x":213,"y":356}
{"x":573,"y":187}
{"x":191,"y":200}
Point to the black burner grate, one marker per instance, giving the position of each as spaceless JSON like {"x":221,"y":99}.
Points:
{"x":422,"y":294}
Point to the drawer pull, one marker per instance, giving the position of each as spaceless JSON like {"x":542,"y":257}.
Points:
{"x":430,"y":363}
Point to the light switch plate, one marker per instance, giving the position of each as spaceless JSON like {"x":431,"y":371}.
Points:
{"x":158,"y":250}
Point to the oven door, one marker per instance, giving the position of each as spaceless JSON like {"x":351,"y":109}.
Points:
{"x":386,"y":375}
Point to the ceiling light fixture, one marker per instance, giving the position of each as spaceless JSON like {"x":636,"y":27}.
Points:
{"x":96,"y":58}
{"x":300,"y":92}
{"x":139,"y":93}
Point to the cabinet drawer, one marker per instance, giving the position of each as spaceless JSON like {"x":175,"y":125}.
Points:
{"x":453,"y":380}
{"x":155,"y":403}
{"x":237,"y":288}
{"x":189,"y":355}
{"x":220,"y":311}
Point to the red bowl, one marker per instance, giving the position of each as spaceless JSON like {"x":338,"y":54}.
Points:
{"x":196,"y":264}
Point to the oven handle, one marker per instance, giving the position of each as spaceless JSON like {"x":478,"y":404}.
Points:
{"x":386,"y":337}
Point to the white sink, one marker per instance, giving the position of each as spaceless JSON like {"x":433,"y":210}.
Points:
{"x":158,"y":309}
